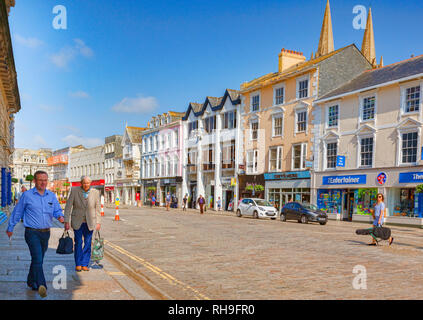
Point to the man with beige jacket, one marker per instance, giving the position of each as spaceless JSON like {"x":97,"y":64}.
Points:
{"x":83,"y":212}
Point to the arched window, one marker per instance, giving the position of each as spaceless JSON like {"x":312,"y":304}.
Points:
{"x":157,"y":170}
{"x":168,"y":166}
{"x":151,"y":168}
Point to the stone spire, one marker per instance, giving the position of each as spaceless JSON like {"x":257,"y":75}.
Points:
{"x":381,"y":62}
{"x":368,"y":48}
{"x":326,"y":35}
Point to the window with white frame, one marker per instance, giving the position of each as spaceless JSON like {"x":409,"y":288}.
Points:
{"x":277,"y":125}
{"x":151,"y":168}
{"x":279,"y":95}
{"x":175,"y":165}
{"x":167,"y":166}
{"x":366,"y":152}
{"x":176,"y":135}
{"x":333,"y":115}
{"x":302,"y":89}
{"x":157,"y":167}
{"x":412,"y":99}
{"x":331,"y":153}
{"x":252,"y":156}
{"x":409,"y":147}
{"x":299,"y":153}
{"x":368,"y":108}
{"x":275,"y":159}
{"x":163,"y":167}
{"x":229,"y":120}
{"x":301,"y":118}
{"x":254,"y":130}
{"x":210,"y":124}
{"x":192,"y":126}
{"x":255,"y":103}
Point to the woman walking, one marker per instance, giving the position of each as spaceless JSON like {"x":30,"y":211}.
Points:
{"x":201,"y":201}
{"x":83,"y":212}
{"x":379,"y":214}
{"x":185,"y":200}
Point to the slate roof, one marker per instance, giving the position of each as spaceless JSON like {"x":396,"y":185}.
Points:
{"x":379,"y":76}
{"x":135,"y":134}
{"x":216,"y":103}
{"x":301,"y":66}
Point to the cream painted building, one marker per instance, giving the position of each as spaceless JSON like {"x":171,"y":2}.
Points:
{"x":278,"y":114}
{"x":375,"y":122}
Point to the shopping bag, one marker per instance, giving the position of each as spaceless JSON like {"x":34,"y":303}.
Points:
{"x":97,"y":247}
{"x":65,"y":244}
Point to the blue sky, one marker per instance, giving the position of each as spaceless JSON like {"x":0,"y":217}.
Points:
{"x":125,"y":61}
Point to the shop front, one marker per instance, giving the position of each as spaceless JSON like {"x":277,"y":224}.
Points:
{"x":228,"y":193}
{"x":284,"y":187}
{"x":150,"y":189}
{"x":109,"y":194}
{"x":174,"y":187}
{"x":352,"y":194}
{"x":96,"y":184}
{"x":251,"y":186}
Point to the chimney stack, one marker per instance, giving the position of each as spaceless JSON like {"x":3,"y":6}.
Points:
{"x":289,"y":58}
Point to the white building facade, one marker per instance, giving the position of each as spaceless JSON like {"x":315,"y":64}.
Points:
{"x":213,"y":150}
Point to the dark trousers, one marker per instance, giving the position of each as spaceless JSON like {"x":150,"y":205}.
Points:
{"x":201,"y":208}
{"x":38,"y":244}
{"x":83,"y":236}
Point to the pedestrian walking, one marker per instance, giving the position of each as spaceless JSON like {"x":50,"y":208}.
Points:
{"x":82,"y":213}
{"x":379,"y":213}
{"x":37,"y":207}
{"x":219,"y":204}
{"x":201,"y":201}
{"x":168,"y":199}
{"x":153,"y":200}
{"x":185,"y":200}
{"x":23,"y":189}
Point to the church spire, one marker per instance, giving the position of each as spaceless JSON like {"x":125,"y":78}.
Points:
{"x":368,"y":48}
{"x":326,"y":35}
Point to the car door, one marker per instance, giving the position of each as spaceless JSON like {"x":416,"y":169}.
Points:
{"x":250,"y":207}
{"x":243,"y":206}
{"x":297,"y":211}
{"x":287,"y":211}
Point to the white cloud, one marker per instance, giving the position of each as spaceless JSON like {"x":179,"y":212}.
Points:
{"x":80,"y":95}
{"x":72,"y":140}
{"x":47,"y":108}
{"x":28,"y":42}
{"x":70,"y":53}
{"x":145,"y":105}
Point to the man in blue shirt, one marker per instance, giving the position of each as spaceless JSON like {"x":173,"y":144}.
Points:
{"x":37,"y":207}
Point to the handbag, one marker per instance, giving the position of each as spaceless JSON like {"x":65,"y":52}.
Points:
{"x":65,"y":244}
{"x":97,"y":253}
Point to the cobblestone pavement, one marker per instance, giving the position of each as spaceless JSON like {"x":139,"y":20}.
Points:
{"x":106,"y":283}
{"x":220,"y":256}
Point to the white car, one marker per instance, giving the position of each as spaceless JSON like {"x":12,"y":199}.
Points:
{"x":257,"y":208}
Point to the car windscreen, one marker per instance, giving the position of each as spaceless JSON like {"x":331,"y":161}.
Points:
{"x":310,"y":206}
{"x":263,"y":203}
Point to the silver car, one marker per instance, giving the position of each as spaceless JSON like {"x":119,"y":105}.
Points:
{"x":257,"y":208}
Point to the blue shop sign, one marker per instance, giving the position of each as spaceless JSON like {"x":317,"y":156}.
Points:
{"x":413,"y":177}
{"x":340,"y":161}
{"x":287,"y":175}
{"x":336,"y":180}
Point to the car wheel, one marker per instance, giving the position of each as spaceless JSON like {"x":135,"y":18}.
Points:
{"x":304,"y":219}
{"x":322,"y":223}
{"x":283,"y":217}
{"x":255,"y":215}
{"x":238,"y":213}
{"x":272,"y":218}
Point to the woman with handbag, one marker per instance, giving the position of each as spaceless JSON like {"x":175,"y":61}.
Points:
{"x":83,"y":212}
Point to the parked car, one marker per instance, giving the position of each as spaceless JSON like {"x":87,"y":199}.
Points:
{"x":303,"y":213}
{"x":257,"y":208}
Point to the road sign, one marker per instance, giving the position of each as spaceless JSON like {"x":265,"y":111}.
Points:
{"x":340,"y":161}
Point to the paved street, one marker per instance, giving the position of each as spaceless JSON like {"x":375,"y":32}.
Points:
{"x":220,"y":256}
{"x":107,"y":283}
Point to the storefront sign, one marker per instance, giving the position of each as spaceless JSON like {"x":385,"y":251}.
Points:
{"x":411,"y":177}
{"x":93,"y":183}
{"x":334,"y":180}
{"x":309,"y":164}
{"x":381,"y":178}
{"x":287,"y":175}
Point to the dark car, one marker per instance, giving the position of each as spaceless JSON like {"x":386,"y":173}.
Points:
{"x":303,"y":213}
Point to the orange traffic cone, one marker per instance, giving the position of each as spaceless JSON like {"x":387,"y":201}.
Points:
{"x":117,"y":214}
{"x":102,"y":211}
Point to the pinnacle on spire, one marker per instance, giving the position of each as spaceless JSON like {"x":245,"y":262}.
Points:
{"x":381,"y":62}
{"x":326,"y":44}
{"x":368,"y":48}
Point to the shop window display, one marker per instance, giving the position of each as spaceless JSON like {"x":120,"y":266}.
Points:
{"x":404,"y":203}
{"x":329,"y":201}
{"x":365,"y":200}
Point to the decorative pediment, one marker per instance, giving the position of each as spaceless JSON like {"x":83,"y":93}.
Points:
{"x":365,"y":129}
{"x":277,"y":110}
{"x":302,"y":105}
{"x":254,"y":117}
{"x":331,"y":135}
{"x":409,"y":123}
